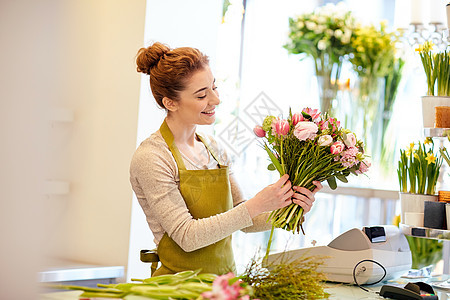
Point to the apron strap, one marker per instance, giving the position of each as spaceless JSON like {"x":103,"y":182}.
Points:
{"x":213,"y":154}
{"x":168,"y":137}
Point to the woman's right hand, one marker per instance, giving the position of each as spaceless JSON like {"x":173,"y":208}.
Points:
{"x":274,"y":196}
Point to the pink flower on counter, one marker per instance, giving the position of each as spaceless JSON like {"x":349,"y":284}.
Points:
{"x":314,"y":113}
{"x":337,"y":147}
{"x":305,"y":130}
{"x":325,"y":140}
{"x":258,"y":131}
{"x":297,"y":117}
{"x":223,"y":290}
{"x":349,"y":140}
{"x":363,"y":167}
{"x":280,"y":126}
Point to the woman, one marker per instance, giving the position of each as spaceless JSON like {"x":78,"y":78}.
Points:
{"x":181,"y":179}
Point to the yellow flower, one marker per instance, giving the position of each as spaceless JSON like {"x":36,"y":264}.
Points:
{"x":408,"y":153}
{"x":431,"y":159}
{"x":416,"y":155}
{"x":428,"y":141}
{"x":396,"y":220}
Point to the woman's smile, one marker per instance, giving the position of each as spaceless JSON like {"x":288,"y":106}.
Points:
{"x":209,"y":113}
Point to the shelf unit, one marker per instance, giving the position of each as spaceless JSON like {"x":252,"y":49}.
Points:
{"x":432,"y":233}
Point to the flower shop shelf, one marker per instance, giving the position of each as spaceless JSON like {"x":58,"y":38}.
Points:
{"x":431,"y":233}
{"x":435,"y":132}
{"x":425,"y":232}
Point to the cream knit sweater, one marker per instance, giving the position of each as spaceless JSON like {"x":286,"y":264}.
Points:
{"x":155,"y":181}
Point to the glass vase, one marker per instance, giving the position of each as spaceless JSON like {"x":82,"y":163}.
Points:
{"x":327,"y":75}
{"x":369,"y":108}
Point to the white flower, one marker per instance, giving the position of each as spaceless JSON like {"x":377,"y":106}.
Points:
{"x":345,"y":40}
{"x":322,"y":45}
{"x":321,"y":20}
{"x":300,"y":25}
{"x":325,"y":140}
{"x":310,"y":25}
{"x":349,"y":139}
{"x":329,"y":32}
{"x":338,"y":33}
{"x":319,"y":29}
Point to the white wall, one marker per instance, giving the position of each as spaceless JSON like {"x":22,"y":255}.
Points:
{"x":76,"y":55}
{"x":176,"y":23}
{"x":97,"y":81}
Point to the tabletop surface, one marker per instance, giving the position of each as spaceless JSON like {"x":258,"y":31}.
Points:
{"x":336,"y":291}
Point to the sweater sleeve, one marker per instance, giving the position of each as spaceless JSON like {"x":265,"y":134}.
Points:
{"x":259,"y":223}
{"x":154,"y":177}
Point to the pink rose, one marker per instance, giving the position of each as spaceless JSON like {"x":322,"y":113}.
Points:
{"x":297,"y":117}
{"x":305,"y":130}
{"x":337,"y":147}
{"x":314,"y":113}
{"x":281,"y":127}
{"x":258,"y":131}
{"x":349,"y":140}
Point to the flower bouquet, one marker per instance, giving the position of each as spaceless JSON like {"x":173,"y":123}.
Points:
{"x":324,"y":35}
{"x":309,"y":146}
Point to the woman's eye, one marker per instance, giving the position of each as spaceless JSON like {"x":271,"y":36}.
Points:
{"x":214,"y":88}
{"x":201,"y":97}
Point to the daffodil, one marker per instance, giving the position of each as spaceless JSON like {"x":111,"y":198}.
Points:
{"x":428,"y":141}
{"x":431,"y":159}
{"x":408,"y":153}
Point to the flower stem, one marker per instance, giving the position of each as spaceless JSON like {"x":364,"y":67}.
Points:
{"x":270,"y":243}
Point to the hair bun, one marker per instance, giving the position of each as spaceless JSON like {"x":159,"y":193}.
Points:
{"x":149,"y":57}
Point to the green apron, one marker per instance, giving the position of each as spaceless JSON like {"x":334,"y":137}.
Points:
{"x":206,"y":193}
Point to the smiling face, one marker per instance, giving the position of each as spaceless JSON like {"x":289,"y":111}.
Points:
{"x":197,"y":102}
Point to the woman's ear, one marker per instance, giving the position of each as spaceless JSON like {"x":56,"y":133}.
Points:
{"x":170,"y":104}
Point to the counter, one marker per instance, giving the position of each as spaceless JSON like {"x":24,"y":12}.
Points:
{"x":336,"y":290}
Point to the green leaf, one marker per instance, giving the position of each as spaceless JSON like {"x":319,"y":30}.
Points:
{"x":274,"y":160}
{"x":271,"y":167}
{"x":332,"y":182}
{"x":342,"y":178}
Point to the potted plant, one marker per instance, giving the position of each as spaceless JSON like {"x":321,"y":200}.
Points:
{"x":437,"y":71}
{"x":418,"y":172}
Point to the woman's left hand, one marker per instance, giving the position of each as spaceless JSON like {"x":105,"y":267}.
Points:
{"x":305,"y":197}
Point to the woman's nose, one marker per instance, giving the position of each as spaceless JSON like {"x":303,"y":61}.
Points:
{"x":214,"y":98}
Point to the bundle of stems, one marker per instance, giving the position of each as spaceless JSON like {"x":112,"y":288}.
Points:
{"x":182,"y":285}
{"x":286,"y":280}
{"x":305,"y":162}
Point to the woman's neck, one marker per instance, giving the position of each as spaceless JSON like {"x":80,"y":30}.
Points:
{"x":183,"y":134}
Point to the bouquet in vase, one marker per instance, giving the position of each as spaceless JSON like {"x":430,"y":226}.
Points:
{"x":309,"y":146}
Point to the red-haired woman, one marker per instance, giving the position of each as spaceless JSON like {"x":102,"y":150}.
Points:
{"x":182,"y":179}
